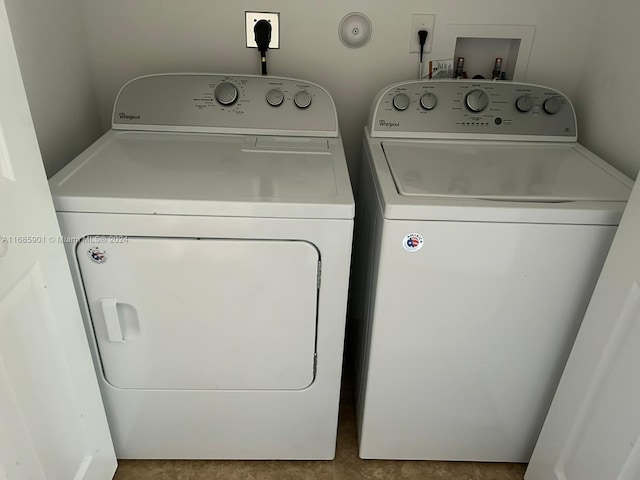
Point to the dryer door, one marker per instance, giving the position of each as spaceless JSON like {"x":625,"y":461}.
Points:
{"x":203,"y":314}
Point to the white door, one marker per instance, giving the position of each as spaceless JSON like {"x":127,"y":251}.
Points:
{"x":592,"y":430}
{"x":242,"y":310}
{"x":52,"y":421}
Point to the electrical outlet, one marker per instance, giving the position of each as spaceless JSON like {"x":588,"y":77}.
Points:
{"x":251,"y":18}
{"x":421,"y":21}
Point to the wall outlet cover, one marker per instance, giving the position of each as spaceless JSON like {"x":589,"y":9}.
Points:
{"x":250,"y":20}
{"x":421,"y":21}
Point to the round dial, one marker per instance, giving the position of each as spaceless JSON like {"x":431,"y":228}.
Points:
{"x":524,"y":103}
{"x":552,"y":105}
{"x":226,"y":93}
{"x":302,"y":99}
{"x":477,"y":100}
{"x":401,"y":101}
{"x":275,"y":97}
{"x":428,"y":101}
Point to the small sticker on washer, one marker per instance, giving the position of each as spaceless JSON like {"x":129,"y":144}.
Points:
{"x":412,"y":242}
{"x":97,"y":255}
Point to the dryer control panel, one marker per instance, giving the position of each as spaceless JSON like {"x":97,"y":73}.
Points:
{"x":210,"y":103}
{"x":472,"y":109}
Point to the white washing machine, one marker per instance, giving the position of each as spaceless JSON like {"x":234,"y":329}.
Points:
{"x":482,"y":226}
{"x":209,"y":235}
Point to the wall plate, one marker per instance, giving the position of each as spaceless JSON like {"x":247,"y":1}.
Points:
{"x":421,"y":21}
{"x":250,"y":20}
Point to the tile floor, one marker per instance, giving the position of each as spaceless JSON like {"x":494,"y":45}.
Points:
{"x":347,"y":465}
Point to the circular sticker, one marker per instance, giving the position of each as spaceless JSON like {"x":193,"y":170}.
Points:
{"x":412,"y":242}
{"x":97,"y":255}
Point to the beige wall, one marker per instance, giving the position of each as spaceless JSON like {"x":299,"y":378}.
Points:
{"x":608,"y":93}
{"x":128,"y":38}
{"x":51,"y":43}
{"x":75,"y":54}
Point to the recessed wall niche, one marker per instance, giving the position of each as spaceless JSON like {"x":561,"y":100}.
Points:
{"x":480,"y":45}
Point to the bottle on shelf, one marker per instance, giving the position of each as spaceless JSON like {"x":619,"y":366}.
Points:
{"x":497,"y":67}
{"x":459,"y":73}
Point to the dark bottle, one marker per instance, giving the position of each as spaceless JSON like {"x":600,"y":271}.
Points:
{"x":459,"y":68}
{"x":497,"y":67}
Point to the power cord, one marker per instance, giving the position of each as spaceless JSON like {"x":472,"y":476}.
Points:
{"x":262,"y":31}
{"x":422,"y":37}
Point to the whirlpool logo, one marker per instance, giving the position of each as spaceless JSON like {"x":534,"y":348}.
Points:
{"x":128,"y":116}
{"x":386,"y":124}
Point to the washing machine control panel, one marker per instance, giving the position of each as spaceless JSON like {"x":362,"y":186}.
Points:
{"x":472,"y":109}
{"x":209,"y":103}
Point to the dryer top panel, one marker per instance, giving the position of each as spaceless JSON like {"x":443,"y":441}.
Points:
{"x":208,"y":175}
{"x":211,"y":103}
{"x":472,"y":110}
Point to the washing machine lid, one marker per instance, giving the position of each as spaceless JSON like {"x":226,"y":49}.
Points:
{"x":520,"y":172}
{"x":205,"y":174}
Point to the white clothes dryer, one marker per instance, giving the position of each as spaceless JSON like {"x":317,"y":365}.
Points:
{"x":482,"y":226}
{"x":209,"y":236}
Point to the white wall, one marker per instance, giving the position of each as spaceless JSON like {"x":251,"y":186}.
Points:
{"x":608,"y":94}
{"x":128,"y":38}
{"x":51,"y":43}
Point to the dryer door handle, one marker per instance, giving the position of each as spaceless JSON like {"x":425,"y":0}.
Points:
{"x":111,"y":319}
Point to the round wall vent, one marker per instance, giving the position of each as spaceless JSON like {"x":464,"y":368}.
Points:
{"x":355,"y":30}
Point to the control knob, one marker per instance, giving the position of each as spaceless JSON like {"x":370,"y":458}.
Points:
{"x":428,"y":101}
{"x":524,"y":103}
{"x":401,"y":101}
{"x":302,"y":99}
{"x":552,"y":105}
{"x":226,"y":93}
{"x":275,"y":97}
{"x":477,"y":100}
